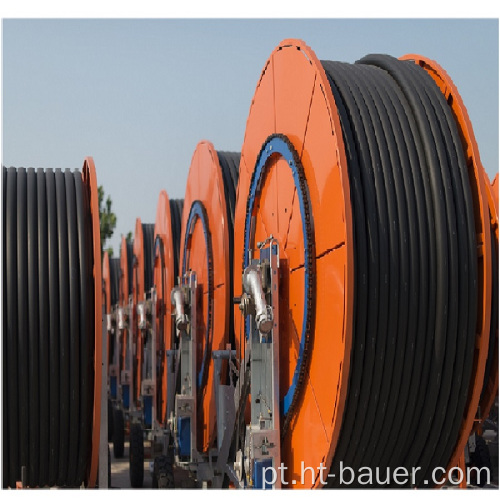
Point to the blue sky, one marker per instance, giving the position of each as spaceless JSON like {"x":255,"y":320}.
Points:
{"x":138,"y":95}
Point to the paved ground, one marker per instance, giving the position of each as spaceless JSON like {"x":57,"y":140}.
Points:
{"x":120,"y":478}
{"x":120,"y":470}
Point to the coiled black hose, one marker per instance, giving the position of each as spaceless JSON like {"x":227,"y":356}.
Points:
{"x":114,"y":295}
{"x":493,"y":345}
{"x":114,"y":278}
{"x":230,"y":166}
{"x":130,"y":266}
{"x":415,"y":304}
{"x":48,"y":336}
{"x":148,"y":233}
{"x":176,"y":207}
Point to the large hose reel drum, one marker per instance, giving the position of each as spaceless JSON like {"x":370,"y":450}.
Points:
{"x":167,"y":235}
{"x":52,"y":327}
{"x":207,"y":250}
{"x":369,"y":177}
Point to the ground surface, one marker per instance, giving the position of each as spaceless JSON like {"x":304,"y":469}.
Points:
{"x":120,"y":478}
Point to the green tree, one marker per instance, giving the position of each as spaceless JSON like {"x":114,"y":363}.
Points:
{"x":107,"y":219}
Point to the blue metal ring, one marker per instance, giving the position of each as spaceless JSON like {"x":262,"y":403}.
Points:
{"x":196,"y":212}
{"x":277,"y":145}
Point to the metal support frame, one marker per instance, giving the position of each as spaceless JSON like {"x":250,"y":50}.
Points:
{"x":125,"y":324}
{"x":262,"y":444}
{"x":158,"y":435}
{"x":186,"y":400}
{"x":146,"y":324}
{"x":262,"y":439}
{"x":114,"y":368}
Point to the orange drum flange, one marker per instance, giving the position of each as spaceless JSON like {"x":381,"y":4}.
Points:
{"x":106,"y":281}
{"x":90,"y":179}
{"x":206,"y":249}
{"x":166,"y":263}
{"x":484,"y":243}
{"x":490,"y":384}
{"x":293,"y":74}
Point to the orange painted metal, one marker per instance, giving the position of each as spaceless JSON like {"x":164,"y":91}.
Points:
{"x":293,"y":97}
{"x":491,"y":389}
{"x":138,"y":291}
{"x":164,"y":280}
{"x":90,"y":179}
{"x":494,"y":189}
{"x":205,"y":184}
{"x":482,"y":219}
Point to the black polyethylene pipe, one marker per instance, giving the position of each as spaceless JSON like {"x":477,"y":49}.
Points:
{"x":415,"y":268}
{"x":48,"y":328}
{"x":230,"y":163}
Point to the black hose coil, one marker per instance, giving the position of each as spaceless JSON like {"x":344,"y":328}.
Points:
{"x":48,"y":328}
{"x":415,"y":269}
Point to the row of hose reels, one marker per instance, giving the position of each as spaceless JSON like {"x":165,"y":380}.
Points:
{"x":369,"y":178}
{"x":365,"y":180}
{"x":149,"y":259}
{"x":52,"y":324}
{"x":206,"y":254}
{"x":360,"y":188}
{"x":190,"y":237}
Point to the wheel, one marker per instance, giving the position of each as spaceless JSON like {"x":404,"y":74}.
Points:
{"x":109,"y":467}
{"x":110,"y":421}
{"x":118,"y":433}
{"x":163,"y":473}
{"x":482,"y":460}
{"x":136,"y":456}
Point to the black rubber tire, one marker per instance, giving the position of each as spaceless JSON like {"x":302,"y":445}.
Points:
{"x":109,"y":467}
{"x":118,"y":433}
{"x":481,"y":459}
{"x":163,"y":473}
{"x":110,"y":421}
{"x":136,"y":456}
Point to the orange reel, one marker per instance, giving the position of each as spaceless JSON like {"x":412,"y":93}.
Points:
{"x":205,"y":249}
{"x":142,"y":278}
{"x":166,"y":258}
{"x":294,"y":74}
{"x":90,"y":179}
{"x":311,"y":126}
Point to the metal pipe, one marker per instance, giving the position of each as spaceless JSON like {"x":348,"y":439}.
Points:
{"x":252,"y":284}
{"x":177,"y":298}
